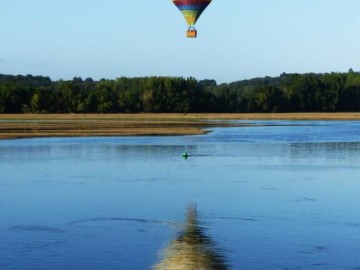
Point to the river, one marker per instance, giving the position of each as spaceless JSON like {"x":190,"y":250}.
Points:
{"x":269,"y":195}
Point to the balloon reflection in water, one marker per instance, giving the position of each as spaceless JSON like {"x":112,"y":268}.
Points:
{"x":192,"y":250}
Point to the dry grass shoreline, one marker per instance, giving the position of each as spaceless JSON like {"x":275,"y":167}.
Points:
{"x":14,"y":126}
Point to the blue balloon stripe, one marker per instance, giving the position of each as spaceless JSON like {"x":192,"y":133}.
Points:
{"x":192,"y":7}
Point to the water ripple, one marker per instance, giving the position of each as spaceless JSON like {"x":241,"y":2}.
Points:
{"x":35,"y":228}
{"x":137,"y":220}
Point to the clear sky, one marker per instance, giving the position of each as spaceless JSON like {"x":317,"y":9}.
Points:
{"x":238,"y":39}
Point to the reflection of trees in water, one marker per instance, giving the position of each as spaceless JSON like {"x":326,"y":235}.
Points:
{"x":192,"y":250}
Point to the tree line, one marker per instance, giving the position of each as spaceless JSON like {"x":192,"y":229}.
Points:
{"x":329,"y":92}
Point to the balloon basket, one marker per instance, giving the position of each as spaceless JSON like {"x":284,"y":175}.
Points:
{"x":191,"y":34}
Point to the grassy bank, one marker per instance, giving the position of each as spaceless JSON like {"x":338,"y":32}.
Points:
{"x":75,"y":125}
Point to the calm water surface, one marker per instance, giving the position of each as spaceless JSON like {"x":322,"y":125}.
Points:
{"x":277,"y":195}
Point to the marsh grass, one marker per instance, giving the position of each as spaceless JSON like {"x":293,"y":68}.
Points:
{"x":80,"y":125}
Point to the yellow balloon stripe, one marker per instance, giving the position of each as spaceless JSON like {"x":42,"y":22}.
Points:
{"x":191,"y":16}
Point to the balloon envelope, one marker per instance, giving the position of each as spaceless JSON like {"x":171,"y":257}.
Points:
{"x":191,"y":9}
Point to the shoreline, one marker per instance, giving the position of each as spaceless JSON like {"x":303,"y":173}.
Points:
{"x":16,"y":126}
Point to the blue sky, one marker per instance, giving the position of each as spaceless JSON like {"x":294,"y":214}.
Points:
{"x":238,"y":39}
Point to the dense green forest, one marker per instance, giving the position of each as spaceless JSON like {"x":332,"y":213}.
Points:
{"x":330,"y":92}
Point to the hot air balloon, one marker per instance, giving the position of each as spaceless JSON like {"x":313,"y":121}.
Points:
{"x":191,"y":9}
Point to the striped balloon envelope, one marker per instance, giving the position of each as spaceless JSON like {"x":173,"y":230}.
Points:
{"x":192,"y":10}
